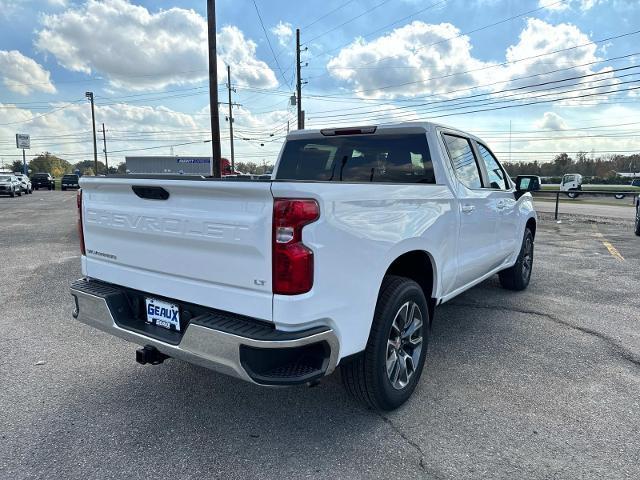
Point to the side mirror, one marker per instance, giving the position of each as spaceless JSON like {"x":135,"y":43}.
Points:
{"x":527,"y":183}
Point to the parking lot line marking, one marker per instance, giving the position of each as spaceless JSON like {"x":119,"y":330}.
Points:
{"x":613,"y":251}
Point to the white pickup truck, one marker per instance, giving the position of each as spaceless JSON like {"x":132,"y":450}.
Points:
{"x":340,"y":259}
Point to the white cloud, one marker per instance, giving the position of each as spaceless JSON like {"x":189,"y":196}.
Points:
{"x":551,"y":121}
{"x":23,"y":75}
{"x":138,"y":49}
{"x":533,"y":56}
{"x":555,"y":6}
{"x":66,"y":131}
{"x":583,"y":5}
{"x":283,"y":32}
{"x":418,"y":58}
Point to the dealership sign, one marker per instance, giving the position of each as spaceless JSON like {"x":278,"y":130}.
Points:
{"x":193,"y":160}
{"x":23,"y":140}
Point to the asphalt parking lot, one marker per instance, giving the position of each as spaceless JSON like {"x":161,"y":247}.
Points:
{"x":539,"y":384}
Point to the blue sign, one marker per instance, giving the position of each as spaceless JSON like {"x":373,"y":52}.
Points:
{"x":193,"y":160}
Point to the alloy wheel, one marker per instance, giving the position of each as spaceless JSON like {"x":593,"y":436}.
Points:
{"x":404,"y":344}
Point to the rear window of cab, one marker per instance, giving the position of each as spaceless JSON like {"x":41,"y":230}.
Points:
{"x":362,"y":158}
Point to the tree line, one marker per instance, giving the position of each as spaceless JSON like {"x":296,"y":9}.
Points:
{"x":597,"y":169}
{"x":56,"y":166}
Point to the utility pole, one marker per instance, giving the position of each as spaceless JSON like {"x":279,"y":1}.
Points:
{"x":233,"y":162}
{"x":298,"y":82}
{"x":213,"y":91}
{"x":104,"y":140}
{"x":89,"y":95}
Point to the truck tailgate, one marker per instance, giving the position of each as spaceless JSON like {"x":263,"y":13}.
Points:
{"x":208,"y":243}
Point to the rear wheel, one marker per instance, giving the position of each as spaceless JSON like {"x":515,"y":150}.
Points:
{"x":619,"y":196}
{"x":572,"y":194}
{"x":518,"y":276}
{"x":385,"y":375}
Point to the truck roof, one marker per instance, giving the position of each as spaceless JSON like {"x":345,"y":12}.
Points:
{"x":400,"y":127}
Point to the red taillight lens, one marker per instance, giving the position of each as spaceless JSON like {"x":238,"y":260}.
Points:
{"x":80,"y":230}
{"x":292,"y":260}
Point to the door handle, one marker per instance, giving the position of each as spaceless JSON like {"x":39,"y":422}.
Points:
{"x":468,"y":208}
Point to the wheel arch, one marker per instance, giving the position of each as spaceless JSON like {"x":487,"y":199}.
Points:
{"x":532,"y":225}
{"x":419,"y":266}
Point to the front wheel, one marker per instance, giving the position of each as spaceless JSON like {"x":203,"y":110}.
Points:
{"x":12,"y":194}
{"x":385,"y":375}
{"x":637,"y":220}
{"x":518,"y":276}
{"x":572,"y":195}
{"x":619,"y":196}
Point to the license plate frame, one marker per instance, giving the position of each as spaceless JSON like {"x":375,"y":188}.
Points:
{"x":162,"y":314}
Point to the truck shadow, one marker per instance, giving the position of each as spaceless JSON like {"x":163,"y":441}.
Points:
{"x":161,"y":417}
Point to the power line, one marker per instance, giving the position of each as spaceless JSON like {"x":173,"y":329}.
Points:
{"x":324,"y":52}
{"x":349,"y":21}
{"x":275,"y":58}
{"x":487,"y":67}
{"x":484,"y":27}
{"x":456,"y":104}
{"x":322,"y":17}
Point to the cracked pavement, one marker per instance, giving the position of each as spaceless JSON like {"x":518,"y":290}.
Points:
{"x":543,"y":383}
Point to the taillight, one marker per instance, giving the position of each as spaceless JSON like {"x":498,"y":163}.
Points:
{"x":292,"y":260}
{"x":80,"y":231}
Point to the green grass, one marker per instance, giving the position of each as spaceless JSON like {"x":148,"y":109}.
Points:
{"x":603,"y":188}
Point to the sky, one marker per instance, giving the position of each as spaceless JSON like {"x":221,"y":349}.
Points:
{"x":531,"y":77}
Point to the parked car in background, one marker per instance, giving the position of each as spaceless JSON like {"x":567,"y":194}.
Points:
{"x":572,"y":184}
{"x":340,"y":260}
{"x":10,"y":185}
{"x":25,"y":182}
{"x":635,"y":182}
{"x":43,"y":180}
{"x":70,"y":180}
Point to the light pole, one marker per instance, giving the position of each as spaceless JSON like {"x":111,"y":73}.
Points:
{"x":216,"y":167}
{"x":89,"y":95}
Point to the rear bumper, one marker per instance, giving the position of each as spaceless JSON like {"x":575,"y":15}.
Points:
{"x":220,"y":341}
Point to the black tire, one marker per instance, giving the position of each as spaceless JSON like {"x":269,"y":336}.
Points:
{"x":49,"y":187}
{"x":518,"y":277}
{"x":637,"y":226}
{"x":37,"y":188}
{"x":19,"y":192}
{"x":619,"y":196}
{"x":12,"y":194}
{"x":573,"y":195}
{"x":62,"y":188}
{"x":365,"y":377}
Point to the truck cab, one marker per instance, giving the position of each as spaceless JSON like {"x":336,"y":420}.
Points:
{"x":572,"y":184}
{"x":338,"y":259}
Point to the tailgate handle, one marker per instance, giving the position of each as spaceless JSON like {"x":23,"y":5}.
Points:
{"x":150,"y":193}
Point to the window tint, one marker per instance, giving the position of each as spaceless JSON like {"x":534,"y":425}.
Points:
{"x":361,"y":158}
{"x":463,"y":160}
{"x":494,"y":170}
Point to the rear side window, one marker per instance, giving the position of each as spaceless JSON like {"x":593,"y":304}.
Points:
{"x":362,"y":158}
{"x":463,"y":160}
{"x":497,"y":177}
